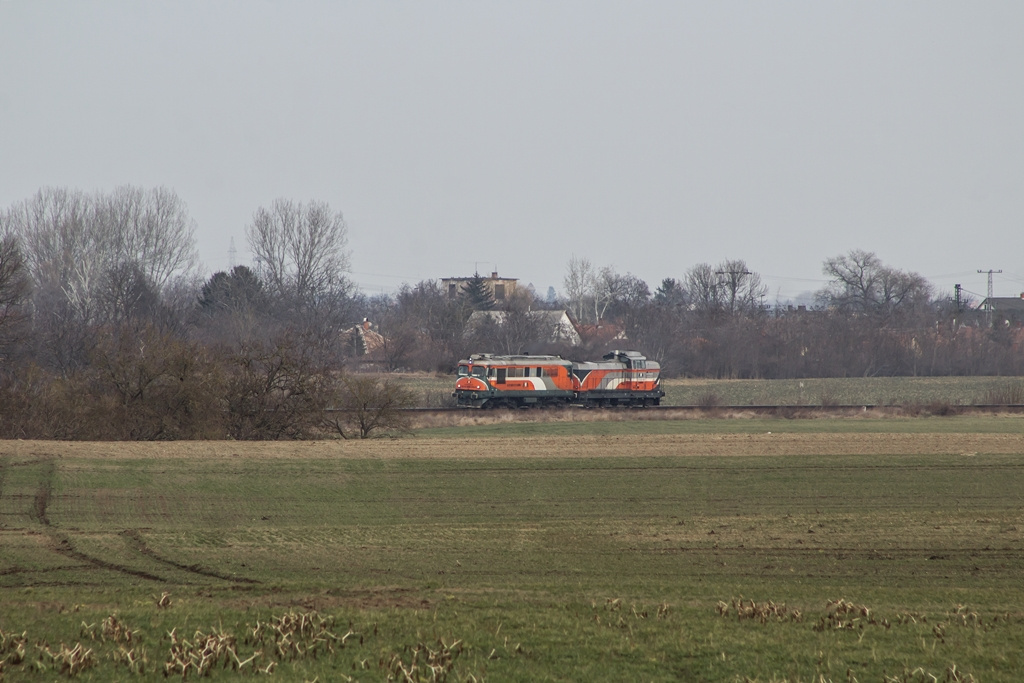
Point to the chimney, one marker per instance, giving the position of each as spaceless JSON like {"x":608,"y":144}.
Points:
{"x":366,"y":324}
{"x":494,"y":276}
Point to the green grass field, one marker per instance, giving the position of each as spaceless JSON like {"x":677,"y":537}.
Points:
{"x":846,"y":391}
{"x":470,"y":558}
{"x":435,"y":391}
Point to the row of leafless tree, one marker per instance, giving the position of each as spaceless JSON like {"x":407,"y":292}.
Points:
{"x":871,"y":319}
{"x":424,"y":329}
{"x":109,"y":330}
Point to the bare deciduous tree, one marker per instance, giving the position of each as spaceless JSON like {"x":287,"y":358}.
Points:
{"x":438,"y":323}
{"x":150,"y":229}
{"x":862,"y":283}
{"x":727,"y":288}
{"x":299,"y":249}
{"x":592,"y":293}
{"x":278,"y":389}
{"x":365,"y":404}
{"x":72,"y":240}
{"x":621,"y":295}
{"x":703,"y":284}
{"x":90,"y":257}
{"x":154,"y":386}
{"x":399,"y":338}
{"x":514,"y":329}
{"x":65,"y":250}
{"x":15,"y":290}
{"x":607,"y":287}
{"x":579,"y":285}
{"x":741,"y":289}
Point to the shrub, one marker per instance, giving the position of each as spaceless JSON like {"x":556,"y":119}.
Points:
{"x":277,"y":390}
{"x":34,"y":404}
{"x":151,"y":385}
{"x":709,"y":399}
{"x":364,"y":404}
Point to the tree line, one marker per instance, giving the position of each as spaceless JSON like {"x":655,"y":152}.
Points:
{"x":869,"y":319}
{"x":108,"y":329}
{"x":715,"y":322}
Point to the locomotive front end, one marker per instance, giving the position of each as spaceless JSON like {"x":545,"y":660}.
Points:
{"x":472,"y":389}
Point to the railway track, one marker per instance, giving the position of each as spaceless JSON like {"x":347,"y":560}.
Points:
{"x":668,"y":412}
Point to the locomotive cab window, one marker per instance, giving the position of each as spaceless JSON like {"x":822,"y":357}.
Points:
{"x":463,"y":370}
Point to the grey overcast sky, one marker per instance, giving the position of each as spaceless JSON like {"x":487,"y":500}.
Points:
{"x":649,"y":136}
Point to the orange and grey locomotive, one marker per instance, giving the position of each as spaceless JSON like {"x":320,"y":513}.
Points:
{"x":621,"y":378}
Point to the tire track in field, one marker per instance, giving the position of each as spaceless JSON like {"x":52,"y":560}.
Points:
{"x":140,"y":546}
{"x":4,"y":460}
{"x":42,"y":498}
{"x":61,"y":543}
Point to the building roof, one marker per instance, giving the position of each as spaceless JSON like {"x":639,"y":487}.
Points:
{"x":1004,"y":304}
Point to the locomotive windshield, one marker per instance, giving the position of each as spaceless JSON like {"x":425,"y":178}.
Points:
{"x":479,"y":371}
{"x":463,"y":370}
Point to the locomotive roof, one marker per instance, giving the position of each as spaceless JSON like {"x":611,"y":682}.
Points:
{"x":624,"y":354}
{"x":524,"y":359}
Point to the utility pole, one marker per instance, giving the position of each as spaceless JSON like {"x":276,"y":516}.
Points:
{"x":988,"y":301}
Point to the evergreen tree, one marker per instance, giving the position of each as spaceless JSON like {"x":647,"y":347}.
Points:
{"x":670,"y":293}
{"x":476,"y":294}
{"x":239,"y":290}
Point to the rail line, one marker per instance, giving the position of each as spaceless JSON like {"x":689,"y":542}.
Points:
{"x":784,"y":410}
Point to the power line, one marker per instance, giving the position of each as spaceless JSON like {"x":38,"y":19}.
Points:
{"x":990,"y":272}
{"x":988,"y":301}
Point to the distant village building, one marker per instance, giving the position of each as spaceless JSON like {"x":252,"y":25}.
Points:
{"x":499,"y":287}
{"x":1006,"y":310}
{"x":363,"y":340}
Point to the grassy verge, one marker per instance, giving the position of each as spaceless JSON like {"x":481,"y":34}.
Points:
{"x":880,"y":391}
{"x":435,"y":391}
{"x":343,"y":563}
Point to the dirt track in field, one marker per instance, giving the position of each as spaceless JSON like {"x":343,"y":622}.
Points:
{"x":540,"y":447}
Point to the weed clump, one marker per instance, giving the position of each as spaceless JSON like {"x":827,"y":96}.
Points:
{"x":758,"y":611}
{"x":425,"y":662}
{"x":842,"y":614}
{"x":919,"y":675}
